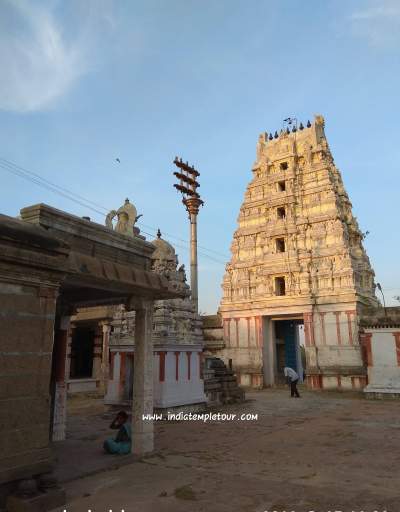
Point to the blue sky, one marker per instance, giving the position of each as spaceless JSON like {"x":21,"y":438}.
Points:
{"x":83,"y":83}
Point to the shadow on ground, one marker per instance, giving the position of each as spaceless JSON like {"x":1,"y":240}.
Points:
{"x":325,"y":451}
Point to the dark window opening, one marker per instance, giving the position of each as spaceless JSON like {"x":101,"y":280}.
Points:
{"x":281,"y":212}
{"x":284,"y":166}
{"x":280,"y":245}
{"x":280,"y":286}
{"x":281,"y":186}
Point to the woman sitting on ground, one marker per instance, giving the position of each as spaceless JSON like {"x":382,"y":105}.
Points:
{"x":121,"y":444}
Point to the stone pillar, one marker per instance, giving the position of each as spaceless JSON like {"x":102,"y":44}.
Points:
{"x":143,"y":430}
{"x":68,"y":360}
{"x":60,"y":384}
{"x":105,"y":356}
{"x":113,"y":394}
{"x":97,"y":356}
{"x":68,"y":357}
{"x":269,"y":352}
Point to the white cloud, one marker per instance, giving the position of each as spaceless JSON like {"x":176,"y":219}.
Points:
{"x":39,"y":65}
{"x":378,"y":22}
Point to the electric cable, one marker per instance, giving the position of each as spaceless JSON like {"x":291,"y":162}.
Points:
{"x":35,"y":178}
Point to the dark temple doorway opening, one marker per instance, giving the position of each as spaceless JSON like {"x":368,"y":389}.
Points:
{"x":289,"y":345}
{"x":82,"y":353}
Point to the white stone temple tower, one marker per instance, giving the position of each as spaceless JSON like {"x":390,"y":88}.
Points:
{"x":298,"y":269}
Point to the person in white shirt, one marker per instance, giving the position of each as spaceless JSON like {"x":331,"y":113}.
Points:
{"x":293,"y":379}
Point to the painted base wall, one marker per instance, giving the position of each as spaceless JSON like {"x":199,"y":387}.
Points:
{"x":382,"y":346}
{"x":177,"y":376}
{"x":333,"y":351}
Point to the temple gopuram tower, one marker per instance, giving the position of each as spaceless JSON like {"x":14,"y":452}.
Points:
{"x":298,"y":274}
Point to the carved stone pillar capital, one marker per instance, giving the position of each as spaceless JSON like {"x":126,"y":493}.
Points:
{"x":106,"y":328}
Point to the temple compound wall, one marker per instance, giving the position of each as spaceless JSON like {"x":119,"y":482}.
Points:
{"x":380,"y":338}
{"x":298,"y":268}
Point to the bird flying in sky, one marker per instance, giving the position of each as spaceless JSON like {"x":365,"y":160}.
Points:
{"x":118,"y":160}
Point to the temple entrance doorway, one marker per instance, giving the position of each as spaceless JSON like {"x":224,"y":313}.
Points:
{"x":283,"y":346}
{"x":288,"y":348}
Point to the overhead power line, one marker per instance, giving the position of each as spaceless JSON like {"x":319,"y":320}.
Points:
{"x":185,"y":241}
{"x":39,"y":180}
{"x":184,"y":247}
{"x":35,"y":178}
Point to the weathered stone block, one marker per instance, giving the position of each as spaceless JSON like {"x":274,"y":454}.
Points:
{"x":41,"y":503}
{"x":16,"y":386}
{"x":20,"y":440}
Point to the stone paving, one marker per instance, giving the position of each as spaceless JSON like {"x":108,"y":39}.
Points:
{"x":323,"y":452}
{"x":81,"y":454}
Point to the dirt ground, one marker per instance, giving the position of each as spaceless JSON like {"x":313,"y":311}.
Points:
{"x":323,"y":452}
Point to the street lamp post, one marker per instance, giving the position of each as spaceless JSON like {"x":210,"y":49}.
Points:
{"x":188,"y":186}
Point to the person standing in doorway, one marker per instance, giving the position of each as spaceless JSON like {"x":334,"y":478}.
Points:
{"x":292,"y":378}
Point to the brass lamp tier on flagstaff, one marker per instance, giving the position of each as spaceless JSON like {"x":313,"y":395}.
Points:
{"x":188,"y":186}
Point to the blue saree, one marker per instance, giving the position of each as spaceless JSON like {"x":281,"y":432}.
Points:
{"x":122,"y":443}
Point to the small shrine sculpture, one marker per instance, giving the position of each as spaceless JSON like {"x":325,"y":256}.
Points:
{"x":177,"y":338}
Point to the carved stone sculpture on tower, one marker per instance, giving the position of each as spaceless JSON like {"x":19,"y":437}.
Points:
{"x":127,"y":217}
{"x":177,"y":318}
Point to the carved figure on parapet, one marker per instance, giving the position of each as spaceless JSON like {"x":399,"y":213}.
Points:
{"x":127,"y":218}
{"x":165,"y":262}
{"x":308,"y":152}
{"x":109,"y":218}
{"x":182,"y":274}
